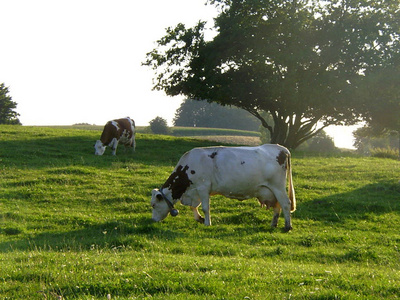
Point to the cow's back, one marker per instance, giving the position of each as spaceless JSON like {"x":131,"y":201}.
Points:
{"x":115,"y":128}
{"x":236,"y":172}
{"x":109,"y":132}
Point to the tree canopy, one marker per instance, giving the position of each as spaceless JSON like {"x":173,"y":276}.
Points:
{"x":382,"y":116}
{"x":383,"y":98}
{"x":304,"y":62}
{"x":159,"y":126}
{"x":213,"y":115}
{"x":7,"y":106}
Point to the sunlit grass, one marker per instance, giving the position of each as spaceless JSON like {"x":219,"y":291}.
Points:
{"x":78,"y":226}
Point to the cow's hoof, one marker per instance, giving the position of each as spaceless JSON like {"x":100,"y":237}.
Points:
{"x":287,"y":229}
{"x":200,"y":220}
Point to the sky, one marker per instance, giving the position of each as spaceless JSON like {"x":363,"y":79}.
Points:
{"x":79,"y":61}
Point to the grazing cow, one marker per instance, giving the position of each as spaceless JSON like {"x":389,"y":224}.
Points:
{"x":116,"y":131}
{"x":234,"y":172}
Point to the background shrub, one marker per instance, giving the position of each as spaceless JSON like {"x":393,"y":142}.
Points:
{"x":159,"y":126}
{"x":385,"y":152}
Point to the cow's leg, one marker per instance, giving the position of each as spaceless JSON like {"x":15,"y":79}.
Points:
{"x":284,"y":202}
{"x":205,"y":206}
{"x":197,"y":216}
{"x":277,"y":212}
{"x":130,"y":145}
{"x":133,"y":144}
{"x":206,"y":209}
{"x":114,"y":146}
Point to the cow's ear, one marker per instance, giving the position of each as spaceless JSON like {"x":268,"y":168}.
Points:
{"x":159,"y":197}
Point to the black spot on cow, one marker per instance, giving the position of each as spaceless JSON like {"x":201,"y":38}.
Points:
{"x":193,"y":172}
{"x":281,"y":158}
{"x":242,"y":163}
{"x":213,"y":154}
{"x":178,"y":182}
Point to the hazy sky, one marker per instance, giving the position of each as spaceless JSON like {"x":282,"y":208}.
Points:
{"x":80,"y":61}
{"x":74,"y":61}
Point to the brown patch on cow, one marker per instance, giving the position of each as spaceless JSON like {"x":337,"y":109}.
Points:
{"x":213,"y":154}
{"x":281,"y":158}
{"x":110,"y":131}
{"x":178,"y":182}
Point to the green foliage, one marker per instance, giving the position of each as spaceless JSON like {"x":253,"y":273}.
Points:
{"x":7,"y":106}
{"x":383,"y":98}
{"x":319,"y":143}
{"x":264,"y":133}
{"x":194,"y":113}
{"x":368,"y":138}
{"x":303,"y":62}
{"x":77,"y":226}
{"x":159,"y":126}
{"x":385,"y":153}
{"x":382,"y":114}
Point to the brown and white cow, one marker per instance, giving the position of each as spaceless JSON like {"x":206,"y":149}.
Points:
{"x":234,"y":172}
{"x":120,"y":131}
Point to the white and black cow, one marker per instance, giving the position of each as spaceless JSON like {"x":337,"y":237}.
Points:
{"x":234,"y":172}
{"x":120,"y":131}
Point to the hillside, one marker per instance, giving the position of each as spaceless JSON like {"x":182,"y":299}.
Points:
{"x":77,"y":226}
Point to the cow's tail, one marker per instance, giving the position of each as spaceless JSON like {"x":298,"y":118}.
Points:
{"x":291,"y":194}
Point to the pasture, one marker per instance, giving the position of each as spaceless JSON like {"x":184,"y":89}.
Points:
{"x":77,"y":226}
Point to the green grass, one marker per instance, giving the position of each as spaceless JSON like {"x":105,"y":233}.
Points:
{"x":77,"y":226}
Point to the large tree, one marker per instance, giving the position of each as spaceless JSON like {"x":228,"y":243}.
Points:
{"x":301,"y":61}
{"x":382,"y":95}
{"x":383,"y":98}
{"x":7,"y":113}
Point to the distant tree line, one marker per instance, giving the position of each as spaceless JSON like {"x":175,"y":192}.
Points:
{"x":194,"y":113}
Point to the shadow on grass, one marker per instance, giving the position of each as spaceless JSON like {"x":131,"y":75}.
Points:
{"x":365,"y":203}
{"x":110,"y":235}
{"x":78,"y":150}
{"x":371,"y":200}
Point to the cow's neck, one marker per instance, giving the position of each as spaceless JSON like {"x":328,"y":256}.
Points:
{"x":178,"y":182}
{"x":167,"y":193}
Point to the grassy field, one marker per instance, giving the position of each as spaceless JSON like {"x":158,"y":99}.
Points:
{"x":220,"y":135}
{"x":77,"y":226}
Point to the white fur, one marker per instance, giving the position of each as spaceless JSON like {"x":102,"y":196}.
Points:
{"x":234,"y":172}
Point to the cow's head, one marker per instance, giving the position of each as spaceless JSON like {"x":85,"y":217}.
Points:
{"x":99,"y":148}
{"x":161,"y":206}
